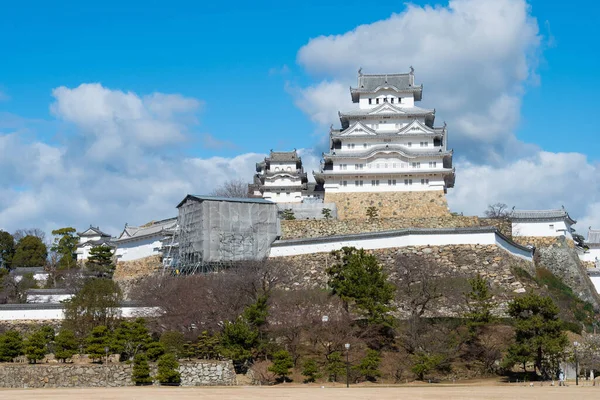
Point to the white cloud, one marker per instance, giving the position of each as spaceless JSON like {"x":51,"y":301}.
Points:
{"x":111,"y":169}
{"x":545,"y":180}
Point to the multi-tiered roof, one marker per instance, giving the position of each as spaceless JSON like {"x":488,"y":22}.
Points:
{"x":388,"y":125}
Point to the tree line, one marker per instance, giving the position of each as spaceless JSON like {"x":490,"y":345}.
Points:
{"x":245,"y":314}
{"x":28,"y":249}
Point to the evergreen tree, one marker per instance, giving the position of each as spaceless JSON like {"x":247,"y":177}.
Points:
{"x":310,"y":370}
{"x":11,"y":345}
{"x":336,"y":366}
{"x":539,"y":335}
{"x":256,"y":313}
{"x":130,"y":338}
{"x":326,"y":213}
{"x":424,"y":363}
{"x":36,"y":346}
{"x":358,"y":279}
{"x":282,"y":362}
{"x":369,"y":366}
{"x":97,"y":342}
{"x":65,"y":345}
{"x":65,"y":244}
{"x":238,"y":340}
{"x":96,"y":304}
{"x":29,"y":252}
{"x":100,"y":261}
{"x":154,"y":350}
{"x":167,"y":370}
{"x":140,"y":373}
{"x":7,"y":249}
{"x":479,"y":302}
{"x":208,"y":346}
{"x":173,"y":342}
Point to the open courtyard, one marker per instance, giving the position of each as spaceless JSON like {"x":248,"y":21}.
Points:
{"x":425,"y":392}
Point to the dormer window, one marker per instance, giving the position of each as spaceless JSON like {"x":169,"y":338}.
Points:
{"x":399,"y":100}
{"x":370,"y":101}
{"x":385,"y":99}
{"x":392,"y":100}
{"x":376,"y":101}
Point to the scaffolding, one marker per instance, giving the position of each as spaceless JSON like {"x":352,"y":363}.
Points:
{"x":215,"y":232}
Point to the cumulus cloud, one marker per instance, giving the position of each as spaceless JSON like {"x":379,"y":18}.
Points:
{"x":111,"y":168}
{"x":476,"y":59}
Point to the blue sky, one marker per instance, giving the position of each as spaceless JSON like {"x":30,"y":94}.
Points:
{"x":251,"y":68}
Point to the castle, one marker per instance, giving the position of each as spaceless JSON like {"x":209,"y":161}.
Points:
{"x":387,"y":153}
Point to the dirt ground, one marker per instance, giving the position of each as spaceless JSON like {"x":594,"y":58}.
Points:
{"x":429,"y":392}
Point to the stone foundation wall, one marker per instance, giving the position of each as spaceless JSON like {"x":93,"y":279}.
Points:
{"x":390,"y":204}
{"x":538,"y":242}
{"x":210,"y":373}
{"x":317,"y":228}
{"x":128,"y":273}
{"x":452,"y":265}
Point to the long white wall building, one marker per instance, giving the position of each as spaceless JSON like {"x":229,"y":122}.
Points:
{"x":136,"y":242}
{"x":542,"y":223}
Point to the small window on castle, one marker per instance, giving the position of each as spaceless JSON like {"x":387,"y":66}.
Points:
{"x":409,"y":144}
{"x":364,"y":145}
{"x":376,"y":101}
{"x":344,"y":183}
{"x":385,"y":99}
{"x":392,"y":100}
{"x":551,"y":226}
{"x":370,"y":101}
{"x":399,"y":100}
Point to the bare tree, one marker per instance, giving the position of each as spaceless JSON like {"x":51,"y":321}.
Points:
{"x":196,"y":303}
{"x":497,"y":211}
{"x":417,"y":287}
{"x":21,"y":233}
{"x":232,"y":188}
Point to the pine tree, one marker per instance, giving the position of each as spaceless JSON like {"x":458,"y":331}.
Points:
{"x":36,"y":346}
{"x":208,"y":346}
{"x":335,"y":366}
{"x":100,"y":261}
{"x":65,"y":345}
{"x":238,"y":340}
{"x":358,"y":279}
{"x":65,"y":244}
{"x":479,"y":302}
{"x":154,"y":350}
{"x":11,"y":345}
{"x":282,"y":362}
{"x":369,"y":366}
{"x":97,"y":342}
{"x":140,"y":373}
{"x":167,"y":370}
{"x":310,"y":370}
{"x":130,"y":338}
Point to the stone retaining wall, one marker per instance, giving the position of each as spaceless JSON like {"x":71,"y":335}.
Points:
{"x":302,"y":229}
{"x":390,"y":204}
{"x":454,"y":261}
{"x":210,"y":373}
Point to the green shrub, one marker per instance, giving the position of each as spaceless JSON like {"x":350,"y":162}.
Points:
{"x":310,"y":370}
{"x":167,"y":370}
{"x":282,"y":362}
{"x":11,"y":345}
{"x":140,"y":373}
{"x":65,"y":345}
